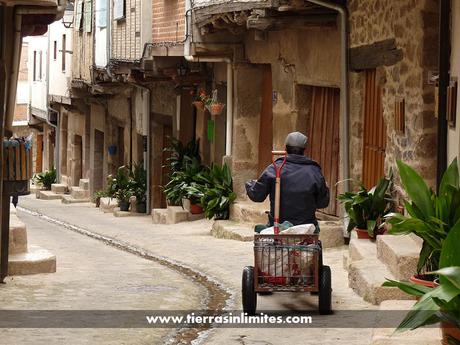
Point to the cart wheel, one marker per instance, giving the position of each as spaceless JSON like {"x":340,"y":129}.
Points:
{"x":249,"y":295}
{"x":325,"y":291}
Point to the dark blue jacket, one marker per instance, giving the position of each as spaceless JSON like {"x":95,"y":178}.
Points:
{"x":303,"y":190}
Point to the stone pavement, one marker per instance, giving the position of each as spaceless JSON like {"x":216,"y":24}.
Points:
{"x":190,"y":244}
{"x":93,"y":276}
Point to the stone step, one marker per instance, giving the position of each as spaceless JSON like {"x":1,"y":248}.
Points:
{"x":249,"y":212}
{"x":107,"y":205}
{"x":79,"y":193}
{"x":331,"y":235}
{"x":84,"y":183}
{"x":361,"y":249}
{"x":69,"y":199}
{"x":173,"y":215}
{"x":231,"y":230}
{"x":366,"y":277}
{"x":420,"y":336}
{"x":18,"y":236}
{"x":59,"y":188}
{"x":399,"y":253}
{"x":36,"y":260}
{"x":49,"y":195}
{"x":160,"y":215}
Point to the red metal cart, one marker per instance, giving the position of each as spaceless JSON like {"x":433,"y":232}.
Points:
{"x":286,"y":262}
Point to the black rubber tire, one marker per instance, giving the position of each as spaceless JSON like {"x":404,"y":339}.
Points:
{"x":248,"y":293}
{"x":325,"y":291}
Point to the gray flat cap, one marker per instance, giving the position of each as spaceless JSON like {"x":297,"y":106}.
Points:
{"x":296,"y":139}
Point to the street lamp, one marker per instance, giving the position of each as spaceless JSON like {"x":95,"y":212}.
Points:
{"x":67,"y":19}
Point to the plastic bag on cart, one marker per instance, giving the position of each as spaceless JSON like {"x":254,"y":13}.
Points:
{"x":302,"y":229}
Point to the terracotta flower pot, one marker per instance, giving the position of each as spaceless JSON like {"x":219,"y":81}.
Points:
{"x":420,"y":280}
{"x":449,"y":332}
{"x":196,"y":209}
{"x":363,"y":234}
{"x":198,"y":105}
{"x":216,"y":108}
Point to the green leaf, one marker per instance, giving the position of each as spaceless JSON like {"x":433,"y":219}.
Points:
{"x":452,"y":274}
{"x":409,"y":288}
{"x":371,"y":228}
{"x":450,"y":249}
{"x":449,"y":178}
{"x":416,"y":188}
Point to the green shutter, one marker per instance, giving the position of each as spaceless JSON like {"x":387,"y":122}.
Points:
{"x":79,"y":16}
{"x":88,"y":15}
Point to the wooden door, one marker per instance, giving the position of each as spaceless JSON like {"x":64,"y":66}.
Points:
{"x":167,"y":134}
{"x":39,"y":158}
{"x":374,"y":134}
{"x":266,"y":120}
{"x":323,"y":133}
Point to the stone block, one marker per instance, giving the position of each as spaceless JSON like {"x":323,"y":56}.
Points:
{"x":107,"y":205}
{"x":79,"y":193}
{"x":84,"y":184}
{"x":400,"y":254}
{"x":361,"y":249}
{"x":18,"y":236}
{"x":176,"y":214}
{"x":49,"y":195}
{"x":118,"y":213}
{"x":68,"y":199}
{"x":366,"y":277}
{"x":331,"y":234}
{"x":249,"y":212}
{"x":159,"y":216}
{"x":192,"y":217}
{"x":36,"y":260}
{"x":59,"y":188}
{"x":231,"y":230}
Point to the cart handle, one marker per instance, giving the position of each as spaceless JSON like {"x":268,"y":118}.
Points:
{"x":276,"y":218}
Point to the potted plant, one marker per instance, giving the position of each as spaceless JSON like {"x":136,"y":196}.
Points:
{"x":442,"y":302}
{"x":98,"y":195}
{"x":122,"y":188}
{"x":217,"y":191}
{"x":193,"y":193}
{"x":200,"y":100}
{"x":139,"y":187}
{"x":431,"y":216}
{"x":45,"y":179}
{"x":366,"y":209}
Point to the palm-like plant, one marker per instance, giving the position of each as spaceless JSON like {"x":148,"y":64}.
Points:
{"x":366,"y":208}
{"x":431,"y":215}
{"x":46,"y":178}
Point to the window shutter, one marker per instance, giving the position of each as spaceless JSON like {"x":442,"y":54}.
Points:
{"x":88,"y":15}
{"x":101,"y":13}
{"x":79,"y":16}
{"x":119,"y":9}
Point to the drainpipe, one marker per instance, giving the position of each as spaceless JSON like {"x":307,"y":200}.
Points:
{"x":444,"y":59}
{"x":344,"y":89}
{"x":49,"y":109}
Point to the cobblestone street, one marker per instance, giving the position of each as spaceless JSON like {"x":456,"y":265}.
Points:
{"x":92,"y":276}
{"x":221,"y":260}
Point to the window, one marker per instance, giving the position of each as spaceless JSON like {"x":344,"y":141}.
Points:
{"x":35,"y":66}
{"x":79,"y":16}
{"x":119,"y":9}
{"x":55,"y":51}
{"x":40,"y":62}
{"x":101,"y":14}
{"x":63,"y":52}
{"x":88,"y":17}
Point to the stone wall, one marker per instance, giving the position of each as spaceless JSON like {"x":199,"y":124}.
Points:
{"x":413,"y":23}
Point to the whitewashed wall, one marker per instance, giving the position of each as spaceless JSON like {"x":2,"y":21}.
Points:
{"x":59,"y":78}
{"x":38,"y":91}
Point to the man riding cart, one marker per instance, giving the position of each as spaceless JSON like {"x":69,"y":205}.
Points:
{"x":287,"y":252}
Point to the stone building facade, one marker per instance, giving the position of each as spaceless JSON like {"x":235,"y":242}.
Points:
{"x":414,"y":27}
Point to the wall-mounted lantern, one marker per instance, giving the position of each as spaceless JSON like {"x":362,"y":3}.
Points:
{"x":67,"y":19}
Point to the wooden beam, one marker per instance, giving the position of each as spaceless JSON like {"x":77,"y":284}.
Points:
{"x":290,"y":22}
{"x":382,"y":53}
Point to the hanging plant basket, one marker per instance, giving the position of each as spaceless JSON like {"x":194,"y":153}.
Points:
{"x":215,"y":108}
{"x":199,"y":105}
